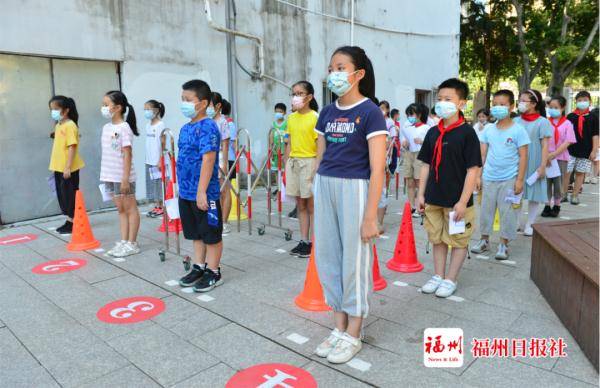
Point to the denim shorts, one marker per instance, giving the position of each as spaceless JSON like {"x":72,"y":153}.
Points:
{"x":115,"y":187}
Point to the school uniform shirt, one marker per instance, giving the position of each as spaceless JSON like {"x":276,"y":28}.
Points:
{"x":502,"y":159}
{"x":232,"y":137}
{"x":460,"y":151}
{"x":583,"y":147}
{"x":303,"y":138}
{"x":223,"y":126}
{"x":391,"y":127}
{"x":347,"y":131}
{"x":195,"y":140}
{"x":114,"y":138}
{"x":65,"y":135}
{"x":565,"y":134}
{"x":412,"y":132}
{"x":153,"y":146}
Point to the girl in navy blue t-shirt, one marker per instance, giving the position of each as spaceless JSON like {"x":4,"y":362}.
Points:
{"x":351,"y":169}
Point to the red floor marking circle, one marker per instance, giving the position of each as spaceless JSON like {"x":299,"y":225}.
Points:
{"x":272,"y":375}
{"x":131,"y":310}
{"x":15,"y":239}
{"x":58,"y":266}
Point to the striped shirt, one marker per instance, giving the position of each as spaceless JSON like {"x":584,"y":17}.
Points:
{"x":114,"y":138}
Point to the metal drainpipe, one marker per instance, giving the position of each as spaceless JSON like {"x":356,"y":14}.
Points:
{"x":231,"y":79}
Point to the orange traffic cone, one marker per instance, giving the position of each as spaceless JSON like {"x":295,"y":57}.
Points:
{"x":174,"y":225}
{"x":311,"y":298}
{"x":82,"y":237}
{"x":379,"y":282}
{"x":405,"y":253}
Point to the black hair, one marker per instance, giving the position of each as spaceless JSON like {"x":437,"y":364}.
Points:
{"x":384,"y":103}
{"x":118,"y":98}
{"x":561,"y":101}
{"x":157,"y":105}
{"x":507,"y":93}
{"x":280,"y":105}
{"x":361,"y":61}
{"x":484,"y":111}
{"x":583,"y":93}
{"x":216,"y":98}
{"x":308,"y":88}
{"x":536,"y":97}
{"x":66,"y":103}
{"x":420,"y":110}
{"x":199,"y":87}
{"x":226,"y":107}
{"x":461,"y":87}
{"x":394,"y":112}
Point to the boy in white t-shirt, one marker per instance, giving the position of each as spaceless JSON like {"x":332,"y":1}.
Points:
{"x":154,"y":111}
{"x":411,"y":138}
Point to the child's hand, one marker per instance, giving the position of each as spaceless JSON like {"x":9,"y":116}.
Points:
{"x":518,"y":186}
{"x":421,"y":204}
{"x":418,"y":141}
{"x":459,"y":211}
{"x":125,"y":187}
{"x":541,"y":172}
{"x":478,"y":184}
{"x":67,"y":173}
{"x":404,"y":143}
{"x":369,"y":230}
{"x":202,"y":201}
{"x":593,"y":155}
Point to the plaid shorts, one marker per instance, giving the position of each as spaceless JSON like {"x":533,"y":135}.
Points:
{"x":583,"y":165}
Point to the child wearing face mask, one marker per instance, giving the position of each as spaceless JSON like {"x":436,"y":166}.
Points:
{"x":451,"y":157}
{"x":412,"y":136}
{"x":301,"y":152}
{"x":558,"y":145}
{"x":214,"y":112}
{"x":154,"y":111}
{"x":116,"y":168}
{"x":585,"y":150}
{"x":483,"y":116}
{"x":277,"y":139}
{"x":533,"y":110}
{"x":65,"y":161}
{"x":504,"y":153}
{"x":199,"y":191}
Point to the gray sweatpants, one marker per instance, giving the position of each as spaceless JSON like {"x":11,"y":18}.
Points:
{"x":494,"y":194}
{"x":343,"y":260}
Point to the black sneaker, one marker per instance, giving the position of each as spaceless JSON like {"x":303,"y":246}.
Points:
{"x":209,"y":281}
{"x":293,"y":213}
{"x":555,"y":211}
{"x":191,"y":278}
{"x":294,"y":252}
{"x":547,"y":211}
{"x":67,"y":228}
{"x":305,"y":250}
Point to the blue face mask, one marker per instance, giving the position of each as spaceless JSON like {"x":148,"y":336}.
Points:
{"x":500,"y":112}
{"x":337,"y":82}
{"x":554,"y":113}
{"x":210,"y":112}
{"x":188,"y":109}
{"x":583,"y":105}
{"x":55,"y":114}
{"x":148,"y":114}
{"x":412,"y":119}
{"x":445,"y":109}
{"x":279,"y":116}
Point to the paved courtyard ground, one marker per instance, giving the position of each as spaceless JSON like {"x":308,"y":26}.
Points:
{"x":50,"y":334}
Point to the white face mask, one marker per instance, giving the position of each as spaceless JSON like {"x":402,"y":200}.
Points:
{"x":297,"y":102}
{"x":106,"y":112}
{"x":523,"y":107}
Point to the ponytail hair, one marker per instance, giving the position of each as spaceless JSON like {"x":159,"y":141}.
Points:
{"x":118,"y":98}
{"x":157,"y":105}
{"x":536,"y":96}
{"x":309,"y":89}
{"x":66,"y":103}
{"x":361,"y":61}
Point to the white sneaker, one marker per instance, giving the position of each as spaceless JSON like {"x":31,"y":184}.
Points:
{"x":431,"y":285}
{"x":502,"y":253}
{"x":226,"y":228}
{"x":116,"y":248}
{"x":446,"y":288}
{"x":327,"y":346}
{"x":128,"y":249}
{"x":481,"y":246}
{"x":528,"y":231}
{"x":345,"y":349}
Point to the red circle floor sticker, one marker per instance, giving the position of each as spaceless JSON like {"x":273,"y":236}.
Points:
{"x":58,"y":266}
{"x":15,"y":239}
{"x":131,"y":310}
{"x":272,"y":375}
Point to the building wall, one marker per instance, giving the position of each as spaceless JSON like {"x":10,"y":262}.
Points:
{"x":160,"y":44}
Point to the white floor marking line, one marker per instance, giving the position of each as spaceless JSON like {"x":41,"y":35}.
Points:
{"x":482,"y":257}
{"x":205,"y":298}
{"x":508,"y":262}
{"x":419,"y":290}
{"x":280,"y":250}
{"x":52,"y":228}
{"x":187,"y":290}
{"x":384,"y":237}
{"x":399,"y":213}
{"x":455,"y":298}
{"x":400,"y":284}
{"x":583,"y":204}
{"x":297,"y":338}
{"x":359,"y":364}
{"x":565,"y":218}
{"x":171,"y":283}
{"x":99,"y":250}
{"x":118,"y":259}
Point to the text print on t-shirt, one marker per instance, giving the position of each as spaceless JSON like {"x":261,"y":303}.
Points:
{"x":338,"y":131}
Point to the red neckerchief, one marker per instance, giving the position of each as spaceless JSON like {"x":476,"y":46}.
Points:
{"x":556,"y":133}
{"x":417,"y":125}
{"x":530,"y":116}
{"x":437,"y":149}
{"x":580,"y":120}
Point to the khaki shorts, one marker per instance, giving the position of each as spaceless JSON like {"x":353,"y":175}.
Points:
{"x":436,"y":225}
{"x":411,"y":168}
{"x":298,"y":177}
